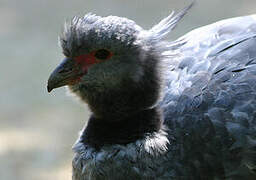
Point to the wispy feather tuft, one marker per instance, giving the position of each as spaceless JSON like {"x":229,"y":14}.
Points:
{"x":73,"y":31}
{"x":161,"y":29}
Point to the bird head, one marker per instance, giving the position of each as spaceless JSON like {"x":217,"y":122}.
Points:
{"x":113,"y":64}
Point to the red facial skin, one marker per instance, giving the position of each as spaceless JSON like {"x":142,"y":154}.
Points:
{"x":85,"y":61}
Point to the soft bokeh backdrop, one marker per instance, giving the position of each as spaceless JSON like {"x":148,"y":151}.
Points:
{"x":38,"y":129}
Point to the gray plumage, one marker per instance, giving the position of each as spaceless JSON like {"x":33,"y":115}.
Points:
{"x":195,"y":96}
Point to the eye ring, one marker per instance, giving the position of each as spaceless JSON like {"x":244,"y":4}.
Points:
{"x":102,"y":54}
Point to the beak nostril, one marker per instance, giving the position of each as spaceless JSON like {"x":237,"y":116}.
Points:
{"x":65,"y":70}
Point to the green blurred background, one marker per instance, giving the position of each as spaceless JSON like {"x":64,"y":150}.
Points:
{"x":38,"y":129}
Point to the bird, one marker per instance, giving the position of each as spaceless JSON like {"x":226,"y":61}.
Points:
{"x":179,"y":110}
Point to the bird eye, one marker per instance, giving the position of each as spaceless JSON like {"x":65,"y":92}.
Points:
{"x":102,"y":54}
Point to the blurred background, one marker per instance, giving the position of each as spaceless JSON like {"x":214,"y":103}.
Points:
{"x":37,"y":129}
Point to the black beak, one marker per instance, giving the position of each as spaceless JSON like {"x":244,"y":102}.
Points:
{"x":66,"y":73}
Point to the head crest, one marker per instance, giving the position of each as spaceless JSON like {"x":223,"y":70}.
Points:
{"x":73,"y":30}
{"x":161,"y":29}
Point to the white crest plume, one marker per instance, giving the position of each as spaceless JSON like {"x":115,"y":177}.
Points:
{"x":161,"y":29}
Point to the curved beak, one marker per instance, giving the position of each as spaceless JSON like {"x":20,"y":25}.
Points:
{"x":66,"y":73}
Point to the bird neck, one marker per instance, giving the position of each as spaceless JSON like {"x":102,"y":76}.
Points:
{"x":100,"y":131}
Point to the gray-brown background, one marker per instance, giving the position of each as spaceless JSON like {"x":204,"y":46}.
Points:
{"x":37,"y":129}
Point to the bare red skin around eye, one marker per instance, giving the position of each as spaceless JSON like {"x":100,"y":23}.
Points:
{"x":84,"y":62}
{"x":87,"y":60}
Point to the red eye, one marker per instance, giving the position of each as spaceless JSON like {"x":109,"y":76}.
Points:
{"x":102,"y":54}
